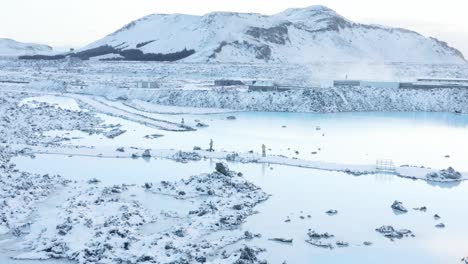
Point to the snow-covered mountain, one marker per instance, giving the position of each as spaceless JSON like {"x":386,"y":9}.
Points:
{"x":315,"y":33}
{"x":9,"y":47}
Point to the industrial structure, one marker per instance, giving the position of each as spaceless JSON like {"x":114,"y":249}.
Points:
{"x":419,"y":84}
{"x":441,"y":80}
{"x":267,"y":88}
{"x":147,"y":85}
{"x":227,"y":82}
{"x":349,"y":83}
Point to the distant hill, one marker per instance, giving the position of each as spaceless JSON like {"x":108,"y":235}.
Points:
{"x":299,"y":35}
{"x":9,"y":47}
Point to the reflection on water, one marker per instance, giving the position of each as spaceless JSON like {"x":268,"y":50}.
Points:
{"x":111,"y":170}
{"x":384,"y":177}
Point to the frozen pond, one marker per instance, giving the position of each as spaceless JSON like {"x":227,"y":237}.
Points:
{"x":55,"y":101}
{"x":436,"y":140}
{"x":111,"y":170}
{"x":363,"y":204}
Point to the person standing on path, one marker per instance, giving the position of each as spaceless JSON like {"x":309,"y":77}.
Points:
{"x":211,"y":145}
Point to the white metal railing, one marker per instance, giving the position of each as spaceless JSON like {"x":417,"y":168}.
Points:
{"x":385,"y":165}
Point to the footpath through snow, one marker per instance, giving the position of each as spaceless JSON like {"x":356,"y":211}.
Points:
{"x":128,"y":113}
{"x":404,"y":171}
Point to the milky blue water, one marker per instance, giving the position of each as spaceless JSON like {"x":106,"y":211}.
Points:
{"x":353,"y":138}
{"x":363,"y":202}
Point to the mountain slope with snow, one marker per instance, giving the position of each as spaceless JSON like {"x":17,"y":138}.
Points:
{"x":9,"y":47}
{"x":315,"y":33}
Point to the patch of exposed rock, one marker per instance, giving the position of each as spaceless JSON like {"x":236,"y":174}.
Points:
{"x":398,"y":207}
{"x":391,"y":233}
{"x":322,"y":240}
{"x":449,"y":174}
{"x":185,"y":157}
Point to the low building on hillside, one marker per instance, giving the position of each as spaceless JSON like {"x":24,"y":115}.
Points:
{"x":227,"y":82}
{"x":266,"y":86}
{"x":442,"y":80}
{"x":347,"y":83}
{"x":419,"y":85}
{"x":147,"y":85}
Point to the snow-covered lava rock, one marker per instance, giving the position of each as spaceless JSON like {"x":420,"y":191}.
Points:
{"x":24,"y":125}
{"x":20,"y":191}
{"x":398,"y":206}
{"x":109,"y":224}
{"x":449,"y":174}
{"x":227,"y":199}
{"x":391,"y":233}
{"x":336,"y":99}
{"x":106,"y":224}
{"x":184,"y":157}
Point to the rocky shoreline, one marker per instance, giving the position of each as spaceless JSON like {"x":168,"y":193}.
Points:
{"x":316,"y":100}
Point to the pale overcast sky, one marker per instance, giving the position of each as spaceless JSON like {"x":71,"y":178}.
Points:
{"x":75,"y":23}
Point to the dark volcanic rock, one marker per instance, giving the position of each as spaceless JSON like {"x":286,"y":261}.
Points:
{"x":185,"y":157}
{"x":449,"y":174}
{"x":398,"y":206}
{"x":222,"y":168}
{"x":392,"y":233}
{"x":331,"y":212}
{"x":282,"y":240}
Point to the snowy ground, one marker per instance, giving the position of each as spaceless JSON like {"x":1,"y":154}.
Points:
{"x":97,"y":223}
{"x":137,"y":183}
